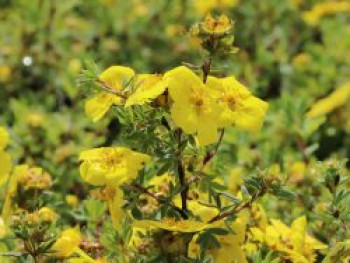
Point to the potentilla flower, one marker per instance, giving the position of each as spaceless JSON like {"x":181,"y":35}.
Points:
{"x":67,"y":243}
{"x":113,"y":80}
{"x":293,"y":242}
{"x":111,"y":165}
{"x":217,"y":26}
{"x":336,"y":99}
{"x":194,"y":109}
{"x":47,"y":214}
{"x":237,"y":105}
{"x":33,"y":177}
{"x":147,"y":88}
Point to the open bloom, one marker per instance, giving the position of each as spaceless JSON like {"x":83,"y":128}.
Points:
{"x":67,"y":243}
{"x":147,"y":88}
{"x":113,"y":79}
{"x":238,"y":106}
{"x":111,"y":165}
{"x":194,"y":109}
{"x":293,"y":242}
{"x":336,"y":99}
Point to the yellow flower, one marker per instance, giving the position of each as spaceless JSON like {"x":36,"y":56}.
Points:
{"x":194,"y":109}
{"x":170,"y":224}
{"x":10,"y":194}
{"x":115,"y":206}
{"x":235,"y":179}
{"x":301,"y":60}
{"x":231,"y":244}
{"x":113,"y":79}
{"x":320,"y":10}
{"x":336,"y":99}
{"x":217,"y":26}
{"x":33,"y":177}
{"x":67,"y":243}
{"x":148,"y":87}
{"x":238,"y":105}
{"x":293,"y":242}
{"x":47,"y":214}
{"x":204,"y":7}
{"x":35,"y":119}
{"x":5,"y":166}
{"x":5,"y":73}
{"x":4,"y":138}
{"x":111,"y":165}
{"x":72,"y":200}
{"x":3,"y":229}
{"x":296,"y":172}
{"x":5,"y":158}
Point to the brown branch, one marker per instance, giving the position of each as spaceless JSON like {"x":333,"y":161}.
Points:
{"x":234,"y":210}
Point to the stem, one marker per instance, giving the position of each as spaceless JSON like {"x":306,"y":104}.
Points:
{"x":185,"y":187}
{"x":206,"y":66}
{"x":234,"y":210}
{"x":181,"y":174}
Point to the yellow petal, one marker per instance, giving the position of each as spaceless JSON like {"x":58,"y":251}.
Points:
{"x":336,"y":99}
{"x":114,"y":76}
{"x":207,"y":132}
{"x":298,"y":228}
{"x":97,"y":106}
{"x":184,"y":117}
{"x":181,"y":80}
{"x":251,"y":114}
{"x":5,"y":166}
{"x":92,"y":174}
{"x":4,"y":138}
{"x":149,"y":87}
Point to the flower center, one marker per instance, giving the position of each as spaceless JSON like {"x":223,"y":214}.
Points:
{"x":197,"y":100}
{"x":231,"y":100}
{"x":111,"y":159}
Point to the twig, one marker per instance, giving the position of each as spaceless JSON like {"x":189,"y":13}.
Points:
{"x":234,"y":210}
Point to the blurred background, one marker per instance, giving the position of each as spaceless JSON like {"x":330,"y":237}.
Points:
{"x":292,"y":53}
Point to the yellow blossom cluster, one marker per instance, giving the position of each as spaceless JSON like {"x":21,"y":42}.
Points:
{"x":293,"y":242}
{"x":198,"y":108}
{"x":320,"y":10}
